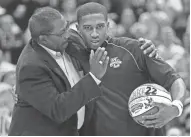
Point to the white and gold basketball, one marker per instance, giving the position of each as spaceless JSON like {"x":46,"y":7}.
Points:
{"x":142,"y":98}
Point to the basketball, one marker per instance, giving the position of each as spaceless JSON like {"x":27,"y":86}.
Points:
{"x":141,"y":99}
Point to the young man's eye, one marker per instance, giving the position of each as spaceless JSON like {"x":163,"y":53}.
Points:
{"x":88,"y":28}
{"x":100,"y":26}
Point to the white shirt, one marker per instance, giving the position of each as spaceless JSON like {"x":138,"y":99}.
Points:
{"x":65,"y":63}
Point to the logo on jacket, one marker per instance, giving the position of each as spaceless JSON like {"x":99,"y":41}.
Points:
{"x":115,"y":62}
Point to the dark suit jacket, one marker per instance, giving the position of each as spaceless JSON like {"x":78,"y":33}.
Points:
{"x":47,"y":104}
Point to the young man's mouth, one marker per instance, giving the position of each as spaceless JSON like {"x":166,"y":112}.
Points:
{"x":95,"y":42}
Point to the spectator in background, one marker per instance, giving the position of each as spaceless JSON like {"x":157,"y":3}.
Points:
{"x":150,"y":22}
{"x":151,"y":5}
{"x":7,"y":36}
{"x":68,"y":9}
{"x":180,"y":20}
{"x":115,"y":9}
{"x":6,"y":98}
{"x":6,"y":107}
{"x":9,"y":78}
{"x":183,"y":68}
{"x":184,"y":64}
{"x":139,"y":30}
{"x":186,"y":37}
{"x":11,"y":39}
{"x":172,"y":8}
{"x":126,"y":22}
{"x":5,"y":66}
{"x":168,"y":50}
{"x":21,"y":10}
{"x":138,"y":6}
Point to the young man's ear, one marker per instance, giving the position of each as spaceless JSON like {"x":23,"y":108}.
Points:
{"x":108,"y":24}
{"x":77,"y":27}
{"x":107,"y":28}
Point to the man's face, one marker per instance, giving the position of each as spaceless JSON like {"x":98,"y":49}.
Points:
{"x":93,"y":29}
{"x":58,"y":38}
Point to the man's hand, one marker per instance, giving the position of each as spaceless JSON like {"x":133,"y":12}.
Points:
{"x":166,"y":113}
{"x":148,"y":47}
{"x":98,"y":62}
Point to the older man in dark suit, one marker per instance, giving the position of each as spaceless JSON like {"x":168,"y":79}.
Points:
{"x":48,"y":86}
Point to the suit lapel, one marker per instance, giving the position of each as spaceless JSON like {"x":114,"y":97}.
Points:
{"x":44,"y":55}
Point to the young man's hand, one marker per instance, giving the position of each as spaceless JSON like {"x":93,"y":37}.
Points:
{"x":148,"y":47}
{"x":166,"y":113}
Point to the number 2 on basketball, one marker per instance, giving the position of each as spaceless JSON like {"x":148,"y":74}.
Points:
{"x":151,"y":91}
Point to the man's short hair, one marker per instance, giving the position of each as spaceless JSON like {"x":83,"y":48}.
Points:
{"x":91,"y":8}
{"x":41,"y":21}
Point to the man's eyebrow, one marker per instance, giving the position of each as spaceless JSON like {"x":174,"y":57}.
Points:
{"x":86,"y":25}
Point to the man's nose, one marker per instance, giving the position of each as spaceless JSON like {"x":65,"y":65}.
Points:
{"x":94,"y":33}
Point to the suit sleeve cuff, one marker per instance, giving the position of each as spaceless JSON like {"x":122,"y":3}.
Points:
{"x":96,"y":80}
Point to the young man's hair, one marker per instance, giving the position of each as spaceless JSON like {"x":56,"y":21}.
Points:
{"x":41,"y":21}
{"x":91,"y":8}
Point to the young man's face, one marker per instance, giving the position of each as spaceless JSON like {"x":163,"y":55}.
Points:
{"x":93,"y":29}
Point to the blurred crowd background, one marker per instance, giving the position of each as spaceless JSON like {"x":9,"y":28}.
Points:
{"x":165,"y":22}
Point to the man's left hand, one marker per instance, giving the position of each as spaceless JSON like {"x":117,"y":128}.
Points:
{"x":166,"y":113}
{"x":148,"y":47}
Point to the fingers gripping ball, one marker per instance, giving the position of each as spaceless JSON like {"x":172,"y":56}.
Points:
{"x":142,"y":98}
